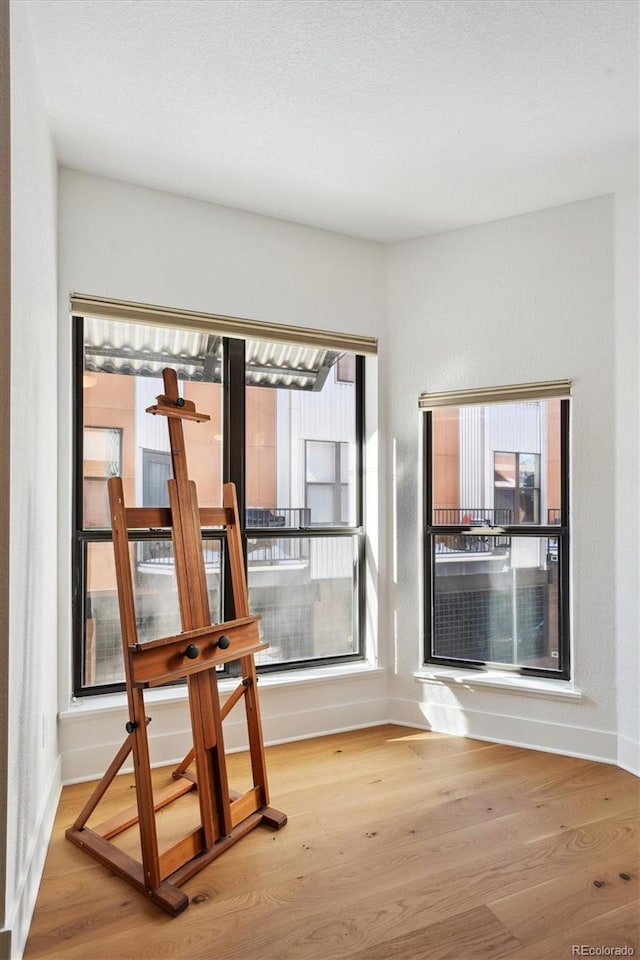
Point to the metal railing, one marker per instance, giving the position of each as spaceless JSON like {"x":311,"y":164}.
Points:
{"x":289,"y":518}
{"x":472,"y":516}
{"x":268,"y":552}
{"x":465,"y":543}
{"x":261,"y":551}
{"x":159,"y":553}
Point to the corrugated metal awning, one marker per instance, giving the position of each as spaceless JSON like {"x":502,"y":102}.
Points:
{"x":140,"y":350}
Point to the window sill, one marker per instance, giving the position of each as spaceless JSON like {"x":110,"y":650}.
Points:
{"x":116,"y":702}
{"x":496,"y":680}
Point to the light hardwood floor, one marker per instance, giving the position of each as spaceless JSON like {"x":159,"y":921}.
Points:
{"x":400,"y":845}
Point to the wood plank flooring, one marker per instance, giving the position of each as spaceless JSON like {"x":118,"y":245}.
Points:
{"x":400,"y":845}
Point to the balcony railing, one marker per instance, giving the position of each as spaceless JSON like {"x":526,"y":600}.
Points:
{"x":159,"y":553}
{"x":472,"y":516}
{"x":277,"y":551}
{"x":267,"y":551}
{"x":260,"y":551}
{"x":290,"y":518}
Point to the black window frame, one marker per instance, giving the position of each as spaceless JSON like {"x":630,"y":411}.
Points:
{"x":558,"y":531}
{"x":234,"y":470}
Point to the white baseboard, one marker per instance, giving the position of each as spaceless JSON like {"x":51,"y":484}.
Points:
{"x":29,"y":883}
{"x":515,"y":731}
{"x":629,"y":755}
{"x":335,"y":718}
{"x":90,"y":741}
{"x":88,"y":753}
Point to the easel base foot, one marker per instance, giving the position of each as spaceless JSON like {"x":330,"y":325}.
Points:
{"x":166,"y":895}
{"x":273,"y":818}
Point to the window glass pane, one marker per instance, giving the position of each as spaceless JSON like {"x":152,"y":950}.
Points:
{"x":155,"y":596}
{"x":304,"y":589}
{"x":156,"y":471}
{"x":528,"y":469}
{"x":300,"y":430}
{"x":102,"y":459}
{"x":346,"y":467}
{"x":102,"y":456}
{"x":344,"y":503}
{"x":321,"y":461}
{"x":321,"y":503}
{"x":505,"y":470}
{"x":95,"y":503}
{"x":123,"y":365}
{"x":346,"y":368}
{"x":529,"y":512}
{"x":497,"y":464}
{"x":496,"y":599}
{"x":504,"y":507}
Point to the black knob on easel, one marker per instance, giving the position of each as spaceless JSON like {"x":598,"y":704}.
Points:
{"x":223,"y":642}
{"x":130,"y":726}
{"x":192,"y":652}
{"x":180,"y":402}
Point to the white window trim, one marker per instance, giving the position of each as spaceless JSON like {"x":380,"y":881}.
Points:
{"x":546,"y":687}
{"x":116,"y":702}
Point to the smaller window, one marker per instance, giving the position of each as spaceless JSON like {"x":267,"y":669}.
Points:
{"x":496,"y":533}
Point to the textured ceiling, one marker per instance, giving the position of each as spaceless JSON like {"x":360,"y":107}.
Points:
{"x":385,"y":119}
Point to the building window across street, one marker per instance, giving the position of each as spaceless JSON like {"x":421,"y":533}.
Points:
{"x":300,"y":499}
{"x":496,"y":543}
{"x":517,"y":485}
{"x":327,"y":481}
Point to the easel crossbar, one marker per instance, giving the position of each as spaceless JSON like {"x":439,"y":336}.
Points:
{"x":129,"y":817}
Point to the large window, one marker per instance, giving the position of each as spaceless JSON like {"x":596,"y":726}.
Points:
{"x":496,"y":546}
{"x":301,"y":499}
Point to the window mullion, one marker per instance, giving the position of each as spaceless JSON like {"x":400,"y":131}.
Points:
{"x":234,"y":445}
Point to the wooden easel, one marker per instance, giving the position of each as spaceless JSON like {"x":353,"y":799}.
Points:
{"x":225,"y":816}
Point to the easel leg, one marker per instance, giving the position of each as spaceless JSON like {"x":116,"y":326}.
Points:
{"x":105,"y":783}
{"x":144,"y":793}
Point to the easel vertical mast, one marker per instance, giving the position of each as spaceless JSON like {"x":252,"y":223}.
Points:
{"x":225,"y":815}
{"x":206,"y":724}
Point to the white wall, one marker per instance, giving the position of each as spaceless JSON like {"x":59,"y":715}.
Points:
{"x":627,"y":472}
{"x":34,"y":772}
{"x":528,"y":298}
{"x":5,"y":435}
{"x":126,"y":242}
{"x":524,"y":299}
